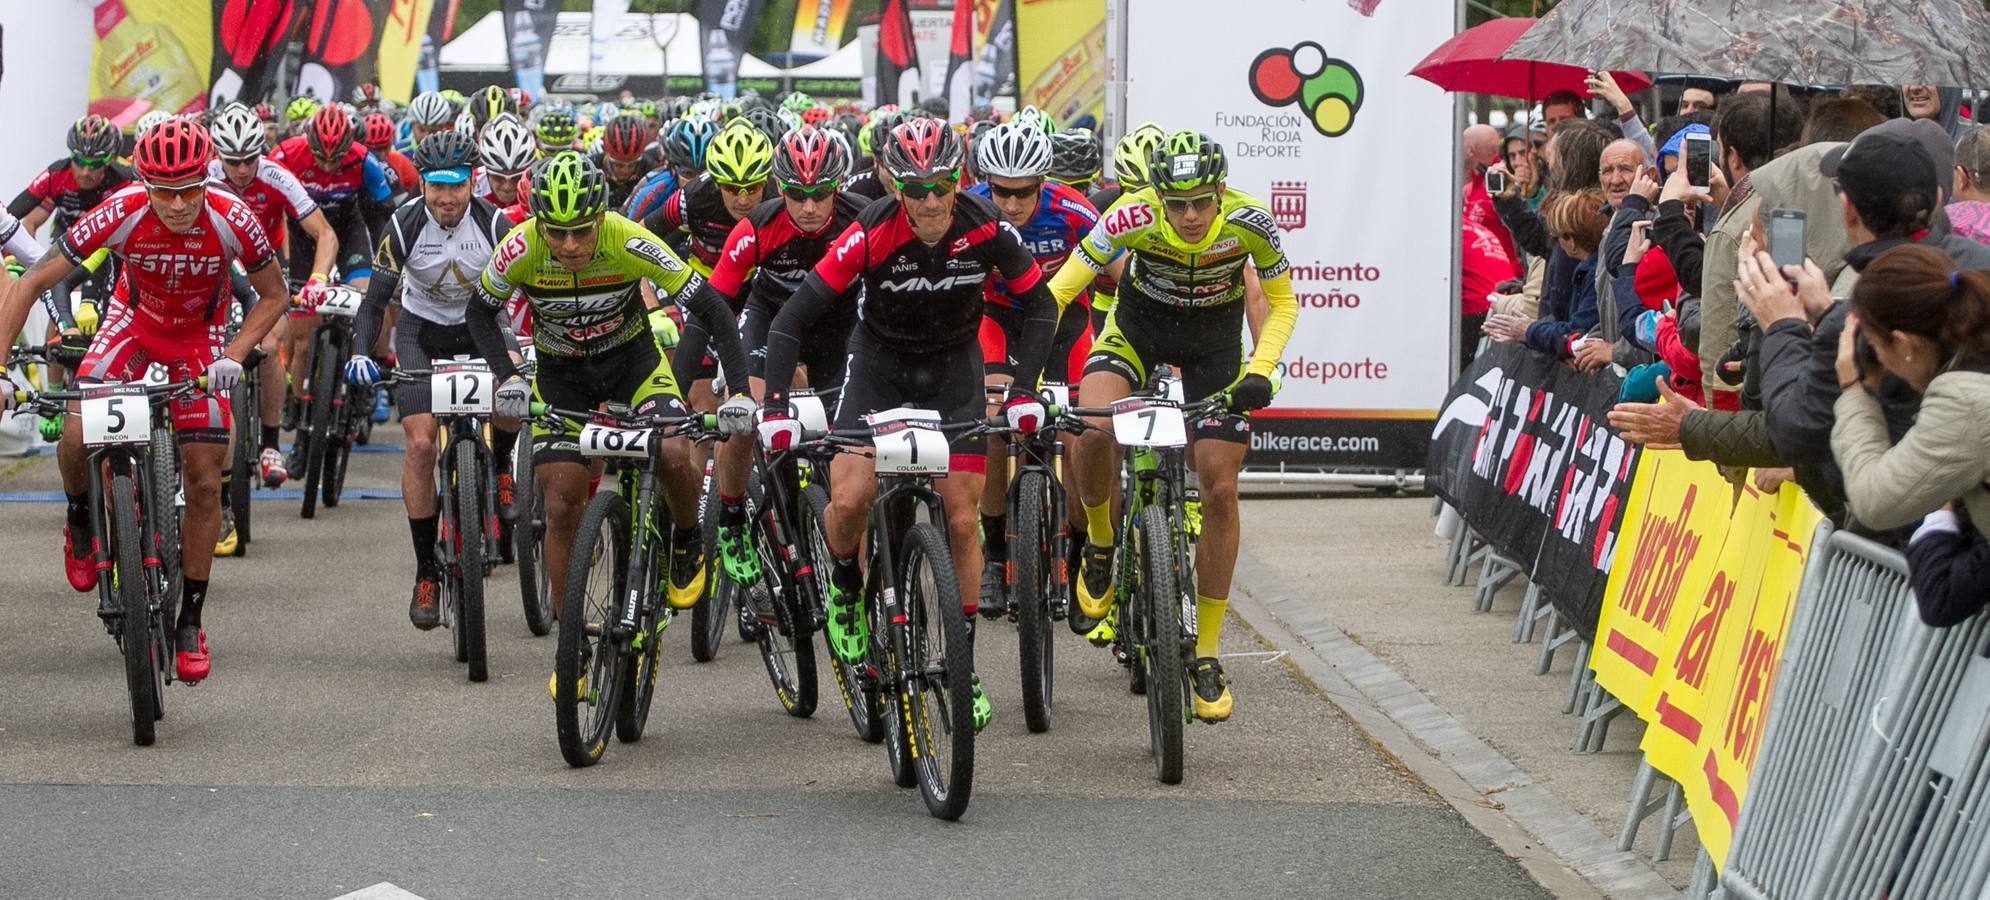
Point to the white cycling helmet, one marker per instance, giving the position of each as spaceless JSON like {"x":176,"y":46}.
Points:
{"x":238,"y":133}
{"x":1011,"y":150}
{"x":432,"y":110}
{"x":145,"y":122}
{"x":506,"y":145}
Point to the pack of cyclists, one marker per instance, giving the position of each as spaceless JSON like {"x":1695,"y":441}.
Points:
{"x":881,"y":259}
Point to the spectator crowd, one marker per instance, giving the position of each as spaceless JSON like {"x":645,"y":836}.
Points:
{"x":1858,"y":368}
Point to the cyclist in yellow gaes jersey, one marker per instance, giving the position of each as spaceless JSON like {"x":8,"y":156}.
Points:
{"x":1179,"y":248}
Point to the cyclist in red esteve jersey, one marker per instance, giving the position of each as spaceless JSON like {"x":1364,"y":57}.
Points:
{"x":177,"y":238}
{"x":274,"y":195}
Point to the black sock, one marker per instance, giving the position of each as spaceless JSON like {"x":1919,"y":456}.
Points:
{"x":501,"y":443}
{"x":995,"y":537}
{"x":191,"y":600}
{"x":270,"y":437}
{"x":79,"y":514}
{"x":687,"y":537}
{"x":423,"y":531}
{"x":843,"y":571}
{"x":732,"y":511}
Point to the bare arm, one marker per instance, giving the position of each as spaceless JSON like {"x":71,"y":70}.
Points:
{"x":325,"y":248}
{"x":21,"y":295}
{"x":271,"y":304}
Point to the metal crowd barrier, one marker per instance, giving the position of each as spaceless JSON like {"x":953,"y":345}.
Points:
{"x":1873,"y":779}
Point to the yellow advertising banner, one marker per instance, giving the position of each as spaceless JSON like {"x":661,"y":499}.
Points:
{"x":150,"y":54}
{"x":1745,"y":675}
{"x":1061,"y":57}
{"x":1674,"y":525}
{"x":401,"y":33}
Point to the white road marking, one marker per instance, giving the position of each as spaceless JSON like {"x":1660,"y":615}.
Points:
{"x":385,"y":890}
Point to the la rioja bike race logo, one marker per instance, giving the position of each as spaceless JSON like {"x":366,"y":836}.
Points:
{"x":1328,"y":89}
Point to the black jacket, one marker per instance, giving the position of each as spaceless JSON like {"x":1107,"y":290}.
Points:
{"x":1950,"y":572}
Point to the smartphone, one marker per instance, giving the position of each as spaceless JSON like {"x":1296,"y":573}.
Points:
{"x":1786,"y":238}
{"x":1495,"y":181}
{"x":1699,"y":160}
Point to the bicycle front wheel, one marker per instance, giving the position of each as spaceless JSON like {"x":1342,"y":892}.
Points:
{"x":1030,"y":551}
{"x":708,"y":616}
{"x":243,"y":469}
{"x":785,"y":648}
{"x":939,"y":665}
{"x":1158,"y":605}
{"x":311,"y":442}
{"x":469,"y":539}
{"x":860,"y":694}
{"x":528,"y":529}
{"x":141,"y":662}
{"x":165,"y":507}
{"x":638,"y":678}
{"x":587,"y":664}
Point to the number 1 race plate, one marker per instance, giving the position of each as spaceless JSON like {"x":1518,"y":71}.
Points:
{"x":909,"y":442}
{"x":460,"y":389}
{"x":116,"y":414}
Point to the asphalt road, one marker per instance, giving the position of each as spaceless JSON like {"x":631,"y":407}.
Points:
{"x":337,"y":750}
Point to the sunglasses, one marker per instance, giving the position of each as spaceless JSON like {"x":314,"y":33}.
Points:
{"x":239,"y":161}
{"x":193,"y":191}
{"x":1199,"y":203}
{"x":754,"y":187}
{"x":799,"y":194}
{"x":91,"y":162}
{"x":920,"y":190}
{"x":1023,"y":193}
{"x":570,"y":231}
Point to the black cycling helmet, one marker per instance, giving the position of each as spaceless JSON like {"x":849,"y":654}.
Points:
{"x":768,"y":121}
{"x":445,"y":150}
{"x":93,"y":137}
{"x":1185,"y":161}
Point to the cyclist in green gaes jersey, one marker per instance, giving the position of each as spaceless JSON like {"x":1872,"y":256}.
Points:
{"x":1186,"y":240}
{"x":580,"y":268}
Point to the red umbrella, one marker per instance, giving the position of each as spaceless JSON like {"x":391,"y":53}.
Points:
{"x":1469,"y":62}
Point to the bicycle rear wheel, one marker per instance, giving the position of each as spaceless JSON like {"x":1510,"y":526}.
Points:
{"x":938,"y":697}
{"x":528,"y":529}
{"x":860,"y":694}
{"x":587,"y":665}
{"x":1030,"y":551}
{"x":338,"y":450}
{"x":141,"y":663}
{"x":470,"y":557}
{"x":1158,"y":606}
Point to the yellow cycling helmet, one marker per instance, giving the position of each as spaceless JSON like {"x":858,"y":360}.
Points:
{"x":301,"y":108}
{"x":1130,"y":155}
{"x":741,"y":154}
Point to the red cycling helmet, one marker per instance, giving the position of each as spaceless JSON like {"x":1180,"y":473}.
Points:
{"x":265,"y":112}
{"x":377,"y":131}
{"x":330,"y":132}
{"x":172,"y":150}
{"x":625,"y":137}
{"x":815,"y":115}
{"x":809,"y":156}
{"x":922,"y":150}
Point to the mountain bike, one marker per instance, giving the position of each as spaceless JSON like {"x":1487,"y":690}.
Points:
{"x":1039,"y":541}
{"x":612,"y":613}
{"x":460,"y":393}
{"x":1153,"y":591}
{"x":134,"y":512}
{"x":332,"y":410}
{"x":920,"y":650}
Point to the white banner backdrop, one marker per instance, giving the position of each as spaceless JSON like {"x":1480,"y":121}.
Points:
{"x":1354,"y":157}
{"x":46,"y":85}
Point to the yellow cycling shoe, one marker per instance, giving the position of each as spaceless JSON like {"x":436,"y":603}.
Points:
{"x":230,"y":540}
{"x":553,"y":687}
{"x":688,"y":570}
{"x":1094,"y":588}
{"x":1212,"y":690}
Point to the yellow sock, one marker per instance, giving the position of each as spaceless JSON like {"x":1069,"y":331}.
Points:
{"x":1098,"y":524}
{"x":1208,"y":623}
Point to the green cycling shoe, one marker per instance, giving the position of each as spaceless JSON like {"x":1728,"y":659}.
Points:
{"x":736,"y":554}
{"x":984,"y":711}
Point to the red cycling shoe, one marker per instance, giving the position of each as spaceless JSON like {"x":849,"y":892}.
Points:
{"x":82,"y":572}
{"x":191,"y":665}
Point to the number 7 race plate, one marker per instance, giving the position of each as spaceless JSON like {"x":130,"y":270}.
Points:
{"x":1141,"y":422}
{"x":115,"y":414}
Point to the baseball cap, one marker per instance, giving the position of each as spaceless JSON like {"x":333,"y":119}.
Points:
{"x":452,"y":175}
{"x":1896,"y":161}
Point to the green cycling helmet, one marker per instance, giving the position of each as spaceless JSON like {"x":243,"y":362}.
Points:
{"x":798,"y":101}
{"x":1185,"y":161}
{"x":1131,"y":155}
{"x":557,"y":128}
{"x":301,"y":108}
{"x":567,"y":187}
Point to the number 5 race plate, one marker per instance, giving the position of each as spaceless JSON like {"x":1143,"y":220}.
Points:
{"x":116,"y":414}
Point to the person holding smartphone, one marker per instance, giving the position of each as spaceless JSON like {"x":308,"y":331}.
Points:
{"x":1482,"y":167}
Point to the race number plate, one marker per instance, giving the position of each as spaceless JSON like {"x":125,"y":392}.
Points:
{"x":809,"y":410}
{"x":461,"y":389}
{"x":339,"y":301}
{"x":116,"y":414}
{"x":909,"y":442}
{"x":1145,"y":422}
{"x":608,"y":440}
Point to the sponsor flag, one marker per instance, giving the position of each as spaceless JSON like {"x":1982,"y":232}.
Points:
{"x":994,"y":50}
{"x":338,"y":39}
{"x":1061,"y":57}
{"x":150,"y":54}
{"x":249,"y":38}
{"x":441,"y":26}
{"x":725,"y":26}
{"x":402,"y":30}
{"x":819,"y":26}
{"x":528,"y":31}
{"x":897,"y":56}
{"x":960,"y":74}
